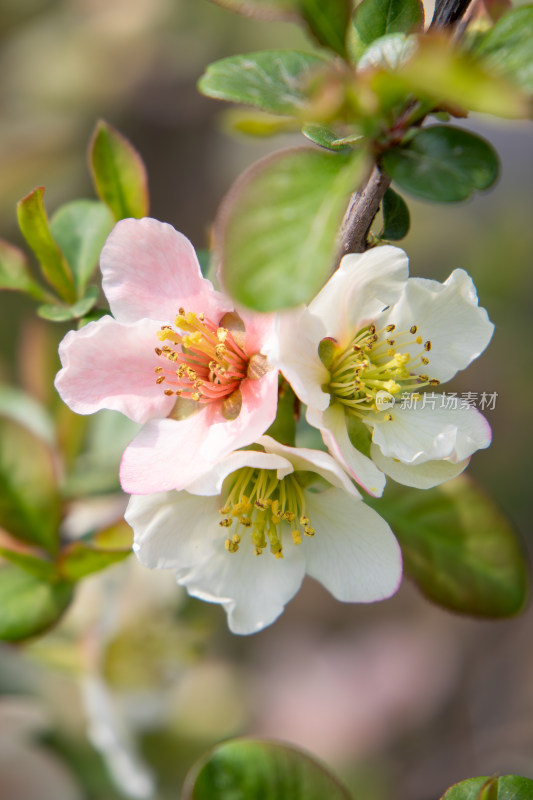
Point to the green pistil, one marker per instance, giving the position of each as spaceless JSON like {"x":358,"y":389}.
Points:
{"x":373,"y":362}
{"x":258,"y":504}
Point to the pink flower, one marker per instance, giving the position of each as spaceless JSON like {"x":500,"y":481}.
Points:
{"x":175,"y":356}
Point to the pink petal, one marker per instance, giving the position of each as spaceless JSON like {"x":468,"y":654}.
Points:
{"x":151,"y":270}
{"x":260,"y":330}
{"x":171,"y":454}
{"x":108,"y":364}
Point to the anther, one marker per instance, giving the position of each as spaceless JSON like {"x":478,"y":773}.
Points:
{"x":434,"y":382}
{"x":427,"y":345}
{"x":160,"y":379}
{"x":158,"y":351}
{"x":425,"y":361}
{"x":413,"y":329}
{"x":168,"y":392}
{"x":390,"y":328}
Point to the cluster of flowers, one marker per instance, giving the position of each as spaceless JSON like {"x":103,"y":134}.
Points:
{"x":240,"y":516}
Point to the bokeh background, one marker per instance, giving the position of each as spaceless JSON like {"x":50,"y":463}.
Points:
{"x":401,"y":698}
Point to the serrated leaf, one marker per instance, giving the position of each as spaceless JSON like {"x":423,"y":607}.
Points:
{"x":33,"y":223}
{"x":328,"y":21}
{"x":29,"y":605}
{"x":118,"y":173}
{"x":29,"y":503}
{"x":60,"y":313}
{"x":81,"y":228}
{"x":443,"y":164}
{"x":273,"y":80}
{"x":373,"y":19}
{"x":15,"y":272}
{"x":396,"y":218}
{"x":276,"y":232}
{"x":249,"y":769}
{"x":458,"y":547}
{"x":508,"y":787}
{"x":508,"y":46}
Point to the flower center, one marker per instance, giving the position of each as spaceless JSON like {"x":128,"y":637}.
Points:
{"x":210,"y":361}
{"x":258,"y":502}
{"x":373,"y":363}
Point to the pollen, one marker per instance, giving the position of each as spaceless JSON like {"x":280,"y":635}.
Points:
{"x":275,"y":512}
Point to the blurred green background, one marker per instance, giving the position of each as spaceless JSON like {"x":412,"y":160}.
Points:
{"x":401,"y":698}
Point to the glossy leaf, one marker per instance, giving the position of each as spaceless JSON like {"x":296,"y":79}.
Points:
{"x":29,"y":503}
{"x":376,"y":18}
{"x":327,"y":21}
{"x":250,"y":769}
{"x":28,"y":604}
{"x":507,"y":787}
{"x":33,"y":223}
{"x":61,"y":313}
{"x":273,"y":80}
{"x":322,"y":136}
{"x":443,"y":164}
{"x":458,"y":547}
{"x":508,"y":46}
{"x":118,"y":173}
{"x":276,"y":231}
{"x":396,"y":218}
{"x":15,"y":272}
{"x":81,"y":228}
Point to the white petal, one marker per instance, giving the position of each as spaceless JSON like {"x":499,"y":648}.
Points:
{"x":353,"y":553}
{"x":295,"y":353}
{"x":211,"y":482}
{"x":420,"y":476}
{"x":447,"y":314}
{"x":332,"y":426}
{"x":423,"y":433}
{"x":173,"y":530}
{"x":304,"y":459}
{"x":362,"y":286}
{"x":253,"y":589}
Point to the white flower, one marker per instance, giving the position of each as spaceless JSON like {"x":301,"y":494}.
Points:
{"x":245,"y":534}
{"x":371,"y":334}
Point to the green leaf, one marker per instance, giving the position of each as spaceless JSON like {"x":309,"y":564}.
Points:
{"x":376,"y":18}
{"x":328,"y":21}
{"x":33,"y":223}
{"x":29,"y":503}
{"x":45,"y":570}
{"x":60,"y":313}
{"x":396,"y":218}
{"x":118,"y":173}
{"x":273,"y":80}
{"x":81,"y":228}
{"x":283,"y":429}
{"x":324,"y":137}
{"x":15,"y":272}
{"x":443,"y":164}
{"x":276,"y":231}
{"x":508,"y":787}
{"x":508,"y":46}
{"x":458,"y":547}
{"x":250,"y":769}
{"x":28,"y":604}
{"x":80,"y":559}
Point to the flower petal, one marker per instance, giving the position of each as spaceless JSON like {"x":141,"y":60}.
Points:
{"x":354,"y":553}
{"x":150,"y":270}
{"x":332,"y":426}
{"x":447,"y":314}
{"x":424,"y":433}
{"x":172,"y":530}
{"x":252,"y":589}
{"x":420,"y":476}
{"x":211,"y":482}
{"x":304,"y":459}
{"x":362,"y":286}
{"x":171,"y":454}
{"x":108,"y":364}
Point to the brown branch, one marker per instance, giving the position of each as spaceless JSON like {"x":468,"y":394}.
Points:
{"x":364,"y":204}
